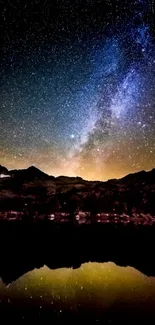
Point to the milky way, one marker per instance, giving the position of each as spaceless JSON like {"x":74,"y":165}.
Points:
{"x":77,"y":91}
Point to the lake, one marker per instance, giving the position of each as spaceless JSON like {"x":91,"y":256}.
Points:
{"x":65,"y":274}
{"x":95,"y":291}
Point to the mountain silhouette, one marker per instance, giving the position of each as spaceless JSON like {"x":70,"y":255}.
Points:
{"x":134,"y":193}
{"x":3,"y":170}
{"x":28,"y":174}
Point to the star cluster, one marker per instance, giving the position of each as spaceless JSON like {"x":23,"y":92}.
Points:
{"x":77,"y":87}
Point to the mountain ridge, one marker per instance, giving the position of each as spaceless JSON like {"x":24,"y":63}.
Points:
{"x":34,"y":190}
{"x":32,"y":169}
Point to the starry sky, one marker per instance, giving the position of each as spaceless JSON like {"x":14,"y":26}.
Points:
{"x":77,"y":86}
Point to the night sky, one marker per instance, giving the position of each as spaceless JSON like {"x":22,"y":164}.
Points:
{"x":77,"y":93}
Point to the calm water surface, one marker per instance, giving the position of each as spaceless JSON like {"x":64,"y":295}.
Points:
{"x":96,"y":291}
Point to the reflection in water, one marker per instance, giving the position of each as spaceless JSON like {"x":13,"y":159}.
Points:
{"x":101,"y":286}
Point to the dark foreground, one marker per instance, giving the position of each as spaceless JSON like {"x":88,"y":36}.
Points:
{"x":27,"y":246}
